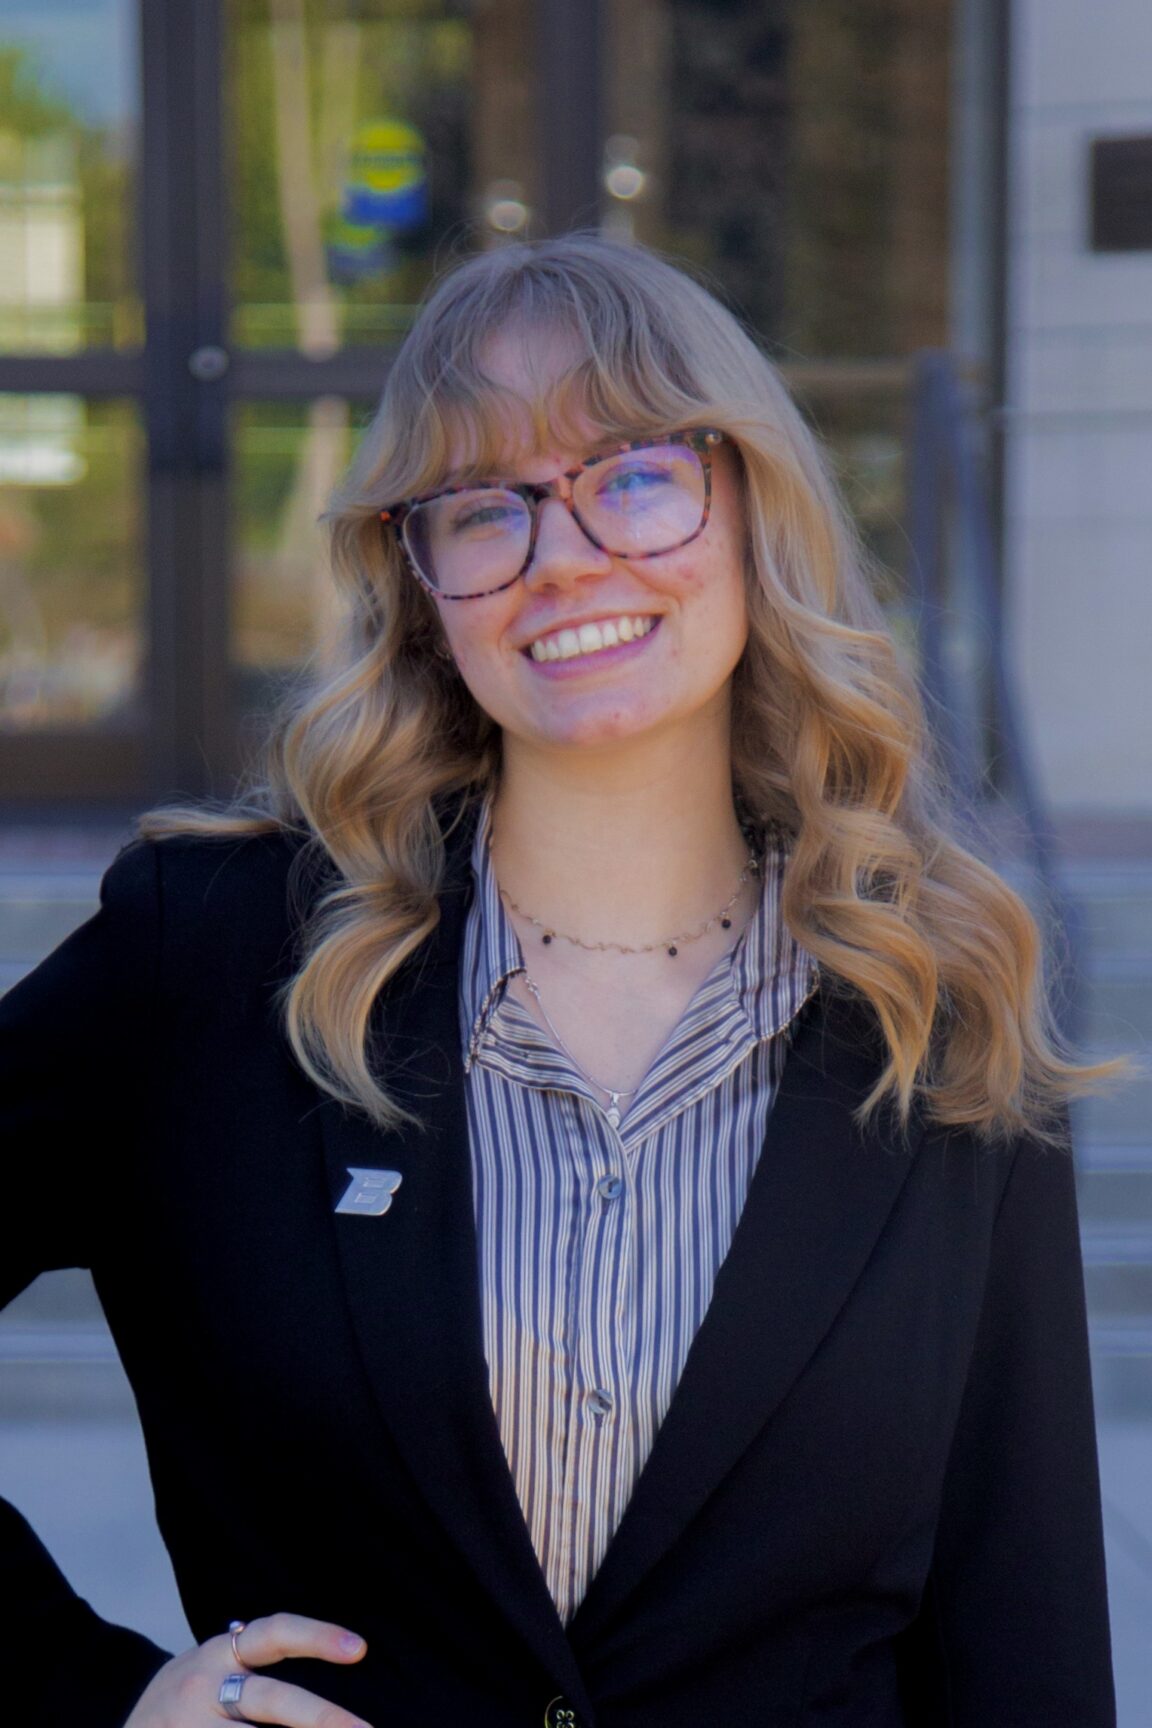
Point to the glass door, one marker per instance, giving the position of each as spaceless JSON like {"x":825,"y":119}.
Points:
{"x":800,"y":153}
{"x":73,"y":585}
{"x":216,"y":220}
{"x":367,"y":143}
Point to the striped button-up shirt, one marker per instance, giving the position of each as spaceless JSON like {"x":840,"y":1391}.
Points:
{"x":599,"y":1246}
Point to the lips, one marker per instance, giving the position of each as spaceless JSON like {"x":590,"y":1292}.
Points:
{"x":592,"y":637}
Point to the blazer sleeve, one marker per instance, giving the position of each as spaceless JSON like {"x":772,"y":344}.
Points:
{"x":74,"y":1050}
{"x":1014,"y":1629}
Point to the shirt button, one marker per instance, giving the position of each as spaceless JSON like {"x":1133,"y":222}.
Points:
{"x":600,"y":1402}
{"x":560,"y":1714}
{"x":610,"y":1187}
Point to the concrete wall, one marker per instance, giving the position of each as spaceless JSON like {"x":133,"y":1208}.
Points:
{"x":1079,"y":405}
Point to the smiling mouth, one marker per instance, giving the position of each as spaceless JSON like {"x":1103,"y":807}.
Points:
{"x":591,"y":638}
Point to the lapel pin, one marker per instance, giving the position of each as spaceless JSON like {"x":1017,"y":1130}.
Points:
{"x":370,"y":1192}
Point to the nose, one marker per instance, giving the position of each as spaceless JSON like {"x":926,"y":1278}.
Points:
{"x":563,"y":552}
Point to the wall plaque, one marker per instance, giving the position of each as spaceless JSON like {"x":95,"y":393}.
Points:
{"x":1122,"y":194}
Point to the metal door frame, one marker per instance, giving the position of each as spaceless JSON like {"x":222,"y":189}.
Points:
{"x":185,"y":382}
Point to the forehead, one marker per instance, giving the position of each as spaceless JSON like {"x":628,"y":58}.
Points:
{"x":527,"y":396}
{"x":531,"y":362}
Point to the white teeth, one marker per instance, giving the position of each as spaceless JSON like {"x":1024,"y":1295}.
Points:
{"x":590,"y":638}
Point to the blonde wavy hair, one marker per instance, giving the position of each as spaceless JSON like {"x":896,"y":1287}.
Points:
{"x":829,"y":740}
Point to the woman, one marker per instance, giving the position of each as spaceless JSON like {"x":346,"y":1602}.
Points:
{"x":587,"y":1210}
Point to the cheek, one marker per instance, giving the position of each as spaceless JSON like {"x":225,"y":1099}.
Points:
{"x":474,"y":641}
{"x":469,"y":633}
{"x":718,"y":601}
{"x":471,"y":667}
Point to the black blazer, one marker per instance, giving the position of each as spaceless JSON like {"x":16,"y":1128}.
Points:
{"x":874,"y":1500}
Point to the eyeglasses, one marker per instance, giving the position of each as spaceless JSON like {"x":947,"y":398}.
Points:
{"x":650,"y":496}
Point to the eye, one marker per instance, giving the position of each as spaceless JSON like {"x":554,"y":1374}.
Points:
{"x":485,"y":512}
{"x":634,"y":480}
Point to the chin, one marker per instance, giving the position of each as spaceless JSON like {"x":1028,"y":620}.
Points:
{"x":600,"y":730}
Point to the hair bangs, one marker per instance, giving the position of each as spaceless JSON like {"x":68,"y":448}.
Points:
{"x":627,"y":373}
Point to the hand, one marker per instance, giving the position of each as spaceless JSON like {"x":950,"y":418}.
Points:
{"x":185,"y":1693}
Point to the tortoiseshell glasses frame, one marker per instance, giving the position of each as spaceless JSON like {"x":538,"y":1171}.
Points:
{"x":702,"y":440}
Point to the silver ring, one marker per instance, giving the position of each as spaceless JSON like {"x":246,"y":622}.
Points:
{"x":235,"y":1627}
{"x":229,"y":1696}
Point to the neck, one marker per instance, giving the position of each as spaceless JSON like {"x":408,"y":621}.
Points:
{"x":619,"y":845}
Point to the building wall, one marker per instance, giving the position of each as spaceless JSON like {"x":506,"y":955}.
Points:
{"x":1079,"y":410}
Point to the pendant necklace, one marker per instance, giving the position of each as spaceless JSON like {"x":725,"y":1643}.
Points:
{"x":671,"y":945}
{"x":614,"y":1094}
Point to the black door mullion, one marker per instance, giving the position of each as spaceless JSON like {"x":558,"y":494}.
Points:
{"x":99,"y":372}
{"x":214,"y":746}
{"x":184,"y":402}
{"x":569,"y":52}
{"x":167,"y":193}
{"x":278,"y":375}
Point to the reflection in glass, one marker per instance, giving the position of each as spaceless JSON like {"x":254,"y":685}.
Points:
{"x":799,"y":155}
{"x":864,"y":431}
{"x":798,"y":152}
{"x":370,"y":139}
{"x":288,"y":457}
{"x":71,"y":563}
{"x":68,"y":114}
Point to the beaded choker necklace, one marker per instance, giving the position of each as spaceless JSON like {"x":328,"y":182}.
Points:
{"x":671,"y":944}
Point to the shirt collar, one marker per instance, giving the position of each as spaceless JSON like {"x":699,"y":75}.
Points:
{"x":772,"y":975}
{"x":491,"y":947}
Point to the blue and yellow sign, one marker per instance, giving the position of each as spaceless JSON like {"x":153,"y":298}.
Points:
{"x":387,"y":184}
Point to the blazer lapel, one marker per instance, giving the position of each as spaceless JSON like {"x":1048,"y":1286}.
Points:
{"x":817,"y":1204}
{"x":413,"y":1290}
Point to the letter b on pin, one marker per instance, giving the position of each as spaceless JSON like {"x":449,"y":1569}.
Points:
{"x":370,"y":1192}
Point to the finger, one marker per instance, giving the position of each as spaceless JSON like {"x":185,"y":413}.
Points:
{"x":266,"y":1700}
{"x":278,"y":1636}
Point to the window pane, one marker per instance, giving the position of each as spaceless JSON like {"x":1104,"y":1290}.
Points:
{"x":288,"y":457}
{"x":864,"y":430}
{"x":71,"y":563}
{"x":799,"y":151}
{"x":367,"y":136}
{"x":68,"y":125}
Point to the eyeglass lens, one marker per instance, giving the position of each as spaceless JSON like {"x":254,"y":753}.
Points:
{"x":636,"y":502}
